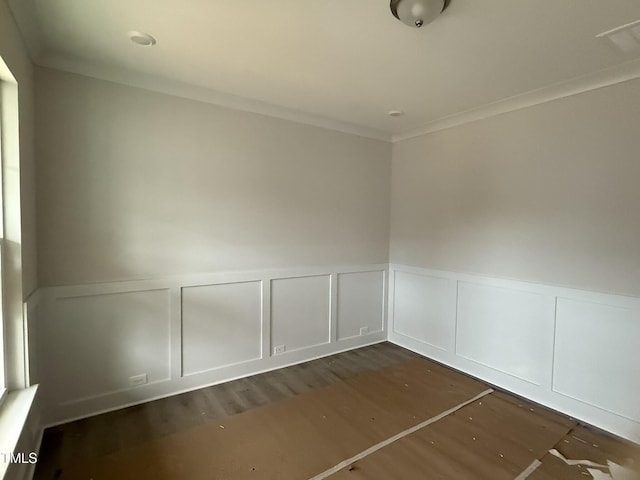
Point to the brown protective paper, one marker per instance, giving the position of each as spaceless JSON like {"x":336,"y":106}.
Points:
{"x":297,"y":438}
{"x":494,"y":438}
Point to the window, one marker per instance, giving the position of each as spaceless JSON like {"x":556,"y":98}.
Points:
{"x":13,"y":373}
{"x":17,"y":399}
{"x":3,"y":385}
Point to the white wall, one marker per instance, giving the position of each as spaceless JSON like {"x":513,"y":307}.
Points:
{"x":183,"y":242}
{"x":14,"y":54}
{"x":491,"y":219}
{"x":186,"y":332}
{"x":572,"y":350}
{"x":546,"y":194}
{"x":20,"y":265}
{"x":136,"y":184}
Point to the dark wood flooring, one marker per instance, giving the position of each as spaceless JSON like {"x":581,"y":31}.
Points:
{"x":110,"y":432}
{"x":90,"y":438}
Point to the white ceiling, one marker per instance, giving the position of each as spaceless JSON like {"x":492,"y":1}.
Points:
{"x":346,"y":62}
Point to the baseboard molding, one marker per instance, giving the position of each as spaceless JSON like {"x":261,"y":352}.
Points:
{"x":102,"y":347}
{"x":572,"y":350}
{"x":310,"y":355}
{"x":553,"y":345}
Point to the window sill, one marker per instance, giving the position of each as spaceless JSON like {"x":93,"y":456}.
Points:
{"x":13,"y":416}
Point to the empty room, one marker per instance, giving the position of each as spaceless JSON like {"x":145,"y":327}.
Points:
{"x":313,"y":239}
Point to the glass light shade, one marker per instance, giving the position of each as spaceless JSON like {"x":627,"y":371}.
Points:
{"x":416,"y":13}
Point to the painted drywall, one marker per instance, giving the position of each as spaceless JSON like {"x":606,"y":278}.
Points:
{"x":20,"y":276}
{"x":14,"y":54}
{"x":106,"y":346}
{"x":546,"y":194}
{"x":527,"y":338}
{"x":136,"y":184}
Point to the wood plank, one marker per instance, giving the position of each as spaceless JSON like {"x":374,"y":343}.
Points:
{"x":494,"y":438}
{"x":297,"y":437}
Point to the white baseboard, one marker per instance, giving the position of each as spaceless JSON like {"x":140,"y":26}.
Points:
{"x":102,"y":347}
{"x":571,"y":350}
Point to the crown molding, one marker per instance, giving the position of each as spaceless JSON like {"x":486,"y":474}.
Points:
{"x":575,"y":86}
{"x":206,"y":95}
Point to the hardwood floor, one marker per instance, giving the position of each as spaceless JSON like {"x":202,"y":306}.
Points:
{"x":504,"y":423}
{"x":121,"y":429}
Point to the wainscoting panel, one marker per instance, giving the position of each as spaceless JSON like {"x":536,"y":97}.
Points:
{"x":506,"y":329}
{"x":105,"y":346}
{"x":221,"y":325}
{"x":300,"y":312}
{"x":596,"y":355}
{"x":100,"y":341}
{"x":34,"y":340}
{"x":572,"y":350}
{"x":360,"y":303}
{"x":424,"y":309}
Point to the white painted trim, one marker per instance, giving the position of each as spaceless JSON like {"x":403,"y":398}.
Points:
{"x":13,"y":417}
{"x":624,"y":301}
{"x":176,"y":361}
{"x":574,"y":86}
{"x":333,"y":307}
{"x":65,"y":407}
{"x":346,"y":346}
{"x":207,"y":95}
{"x":199,"y":279}
{"x":543,"y":393}
{"x":266,"y":349}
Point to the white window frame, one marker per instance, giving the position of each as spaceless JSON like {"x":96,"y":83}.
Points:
{"x":17,"y":395}
{"x":13,"y":322}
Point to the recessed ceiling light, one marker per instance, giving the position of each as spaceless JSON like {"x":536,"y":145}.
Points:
{"x":141,"y":38}
{"x":396,"y":113}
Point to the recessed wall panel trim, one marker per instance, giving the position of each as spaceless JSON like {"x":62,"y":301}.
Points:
{"x":221,"y":325}
{"x":571,"y":350}
{"x":194,"y":330}
{"x":95,"y":343}
{"x":424,"y":309}
{"x":360,"y":303}
{"x":596,"y":351}
{"x":300,"y":312}
{"x":509,"y":330}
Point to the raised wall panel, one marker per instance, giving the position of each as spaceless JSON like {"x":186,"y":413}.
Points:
{"x":300,"y":311}
{"x":596,"y":355}
{"x":98,"y":341}
{"x":508,"y":330}
{"x":360,"y":303}
{"x":35,"y":342}
{"x":221,"y":325}
{"x":424,"y":309}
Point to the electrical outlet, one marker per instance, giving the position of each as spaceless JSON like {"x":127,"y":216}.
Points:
{"x":364,"y":330}
{"x":138,"y":380}
{"x":279,"y":350}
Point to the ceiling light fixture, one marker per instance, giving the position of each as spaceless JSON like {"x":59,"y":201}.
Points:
{"x":417,"y":13}
{"x":141,"y":38}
